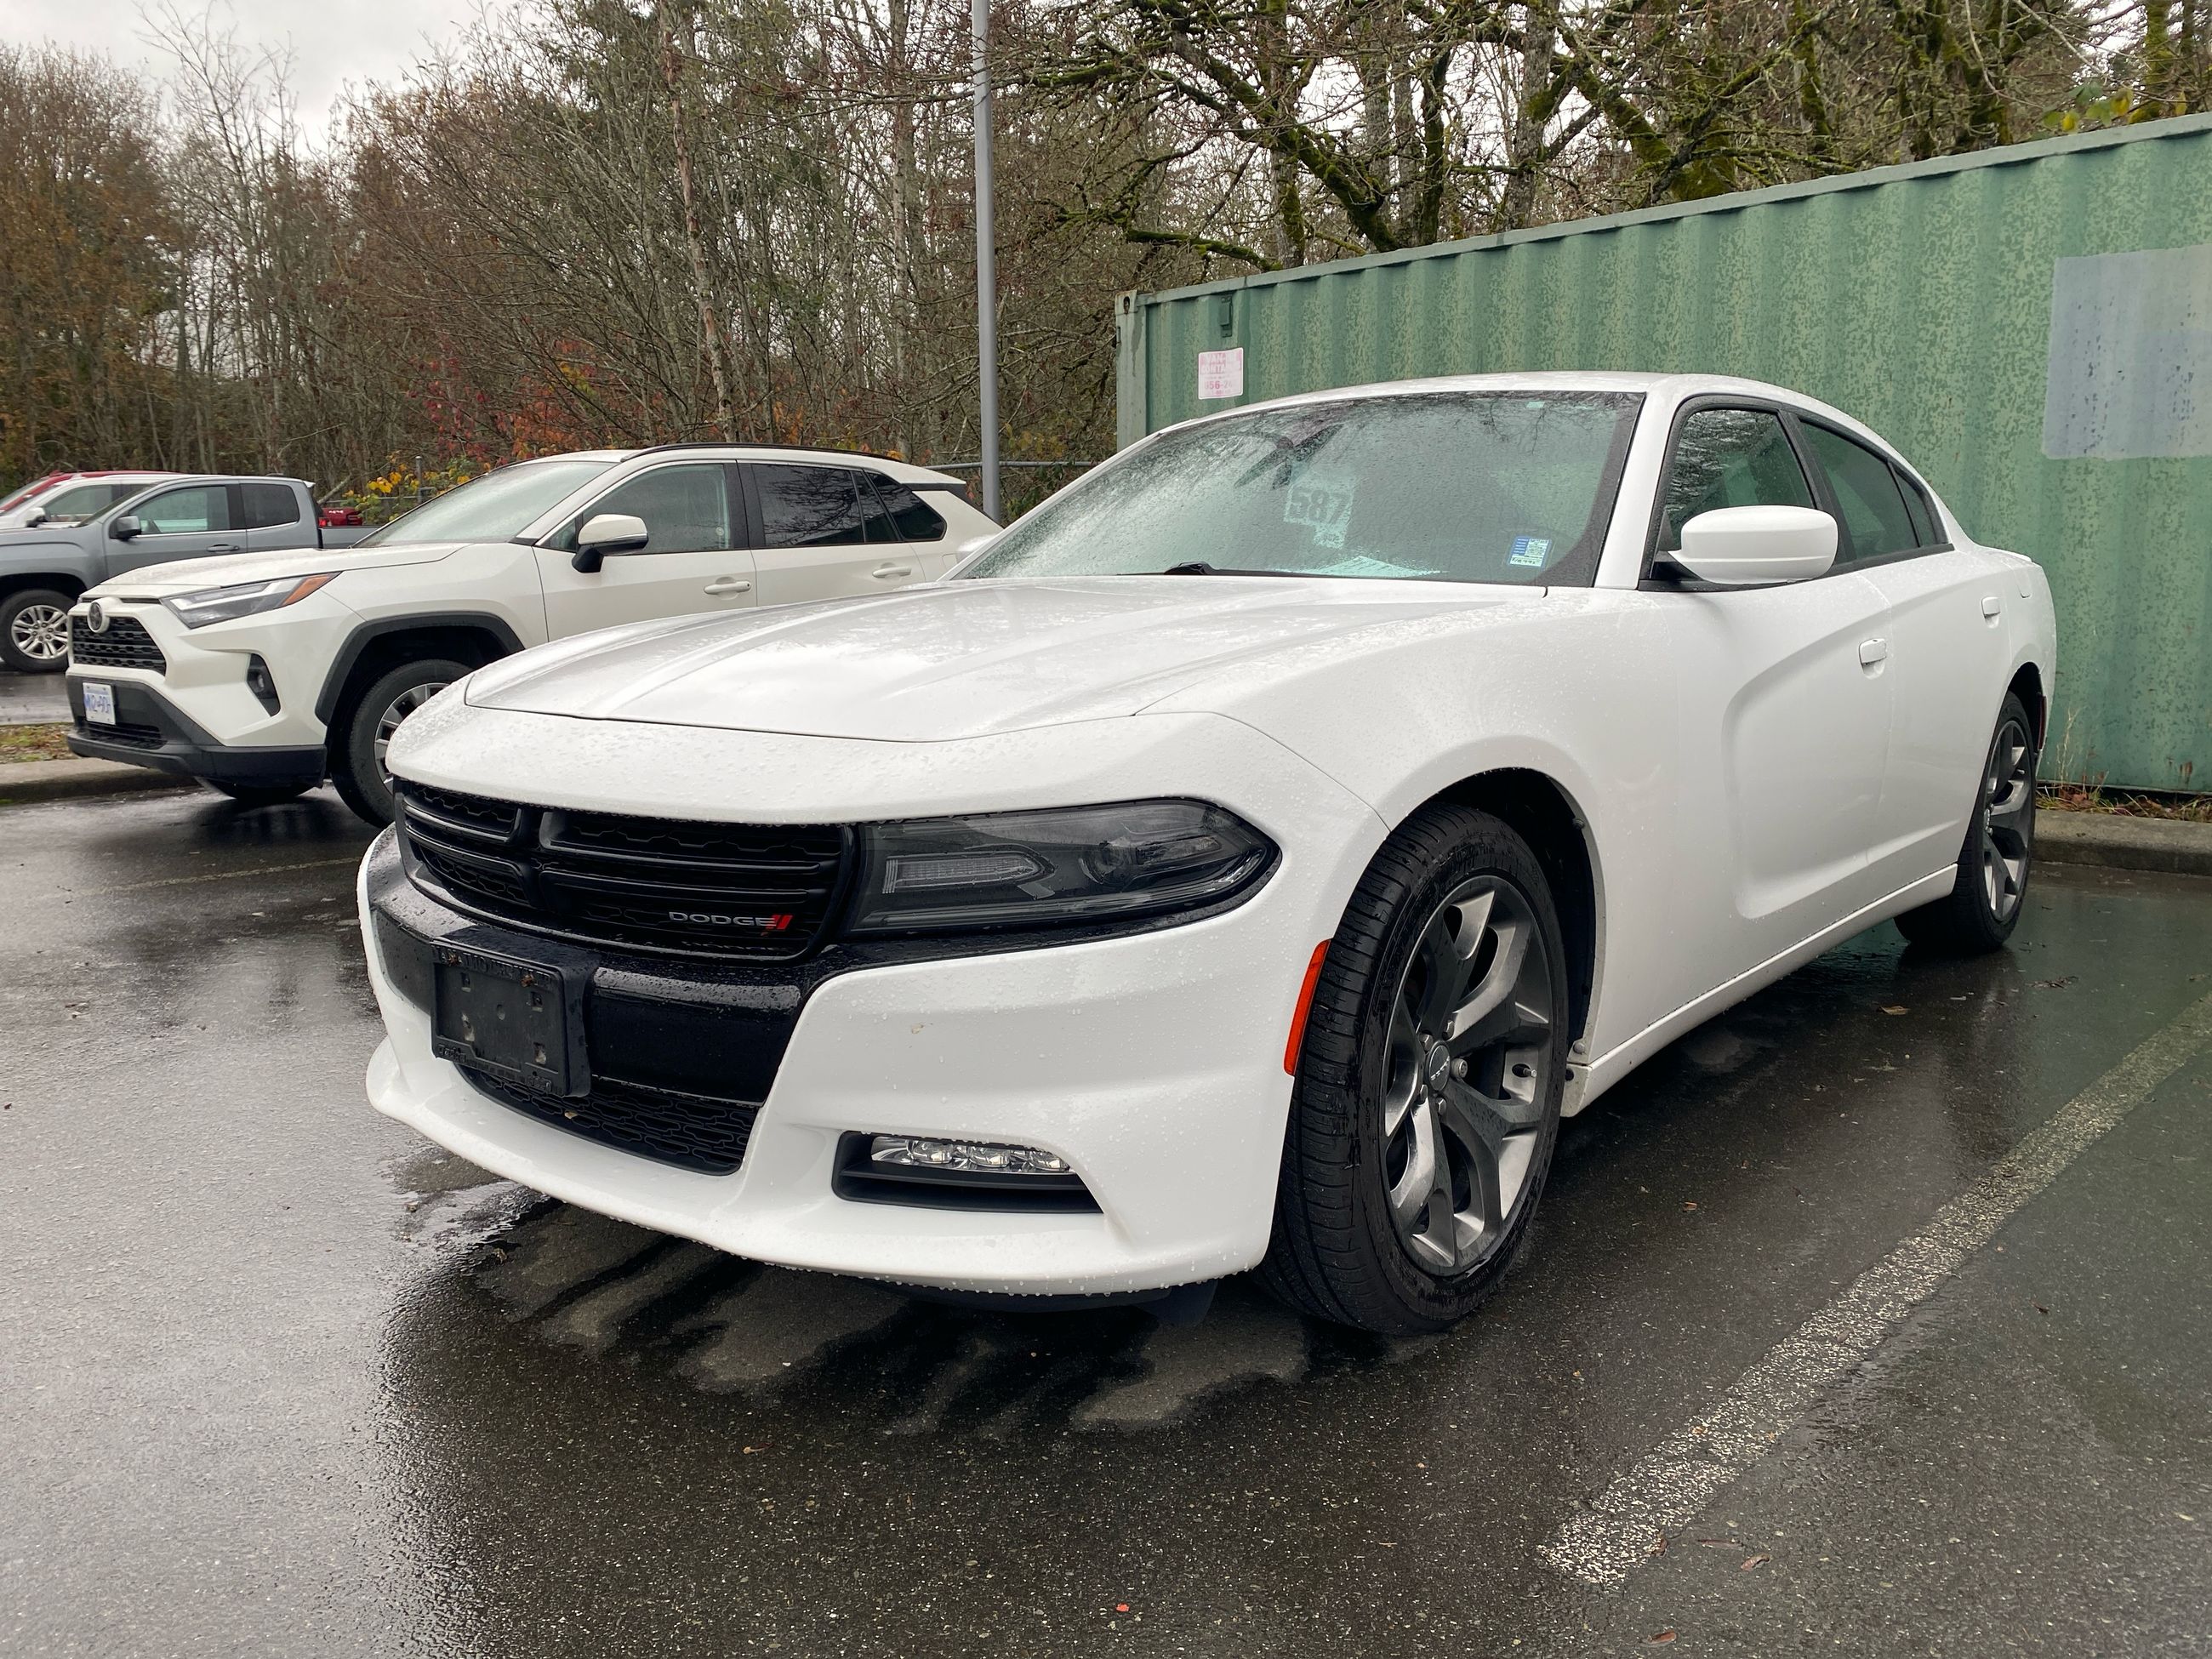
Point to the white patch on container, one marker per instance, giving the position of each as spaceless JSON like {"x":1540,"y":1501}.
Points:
{"x":1221,"y":373}
{"x":2129,"y":375}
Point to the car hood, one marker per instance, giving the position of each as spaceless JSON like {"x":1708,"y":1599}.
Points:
{"x":960,"y":659}
{"x":228,"y":569}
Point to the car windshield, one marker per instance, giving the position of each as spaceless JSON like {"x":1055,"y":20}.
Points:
{"x":80,"y":502}
{"x":494,"y":508}
{"x":1463,"y":487}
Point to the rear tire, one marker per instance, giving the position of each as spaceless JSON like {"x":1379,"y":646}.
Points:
{"x":1427,"y":1100}
{"x":250,"y":795}
{"x":1982,"y":908}
{"x":357,"y":767}
{"x":35,"y":631}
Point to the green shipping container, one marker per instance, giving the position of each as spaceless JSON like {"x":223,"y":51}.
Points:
{"x":2032,"y":326}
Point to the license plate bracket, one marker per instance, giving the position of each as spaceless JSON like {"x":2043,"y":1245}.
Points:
{"x":520,"y":1022}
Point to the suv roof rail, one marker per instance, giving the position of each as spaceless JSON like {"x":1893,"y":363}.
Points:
{"x":789,"y":449}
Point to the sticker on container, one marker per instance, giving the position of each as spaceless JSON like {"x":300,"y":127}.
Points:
{"x":1221,"y":373}
{"x":1322,"y":505}
{"x":1530,"y":552}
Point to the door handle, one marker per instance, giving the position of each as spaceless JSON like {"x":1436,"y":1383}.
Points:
{"x":729,"y":585}
{"x":1990,"y":606}
{"x":224,"y":547}
{"x":1872,"y":652}
{"x":885,"y":572}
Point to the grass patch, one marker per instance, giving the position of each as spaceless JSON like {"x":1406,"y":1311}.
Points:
{"x":2124,"y":803}
{"x":33,"y":743}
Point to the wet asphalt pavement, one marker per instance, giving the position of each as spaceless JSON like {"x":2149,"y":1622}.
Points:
{"x":276,"y":1377}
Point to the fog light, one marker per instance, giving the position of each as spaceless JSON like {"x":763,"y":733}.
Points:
{"x":261,"y":683}
{"x":910,"y":1153}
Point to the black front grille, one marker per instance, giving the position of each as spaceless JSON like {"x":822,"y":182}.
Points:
{"x":760,"y":891}
{"x":124,"y":644}
{"x":692,"y":1131}
{"x":122,"y":732}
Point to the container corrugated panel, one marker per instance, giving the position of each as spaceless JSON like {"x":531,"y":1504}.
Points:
{"x":1920,"y":299}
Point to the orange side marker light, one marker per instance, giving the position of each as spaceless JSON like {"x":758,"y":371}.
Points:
{"x":1305,"y":1006}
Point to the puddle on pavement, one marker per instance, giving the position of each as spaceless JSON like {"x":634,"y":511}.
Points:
{"x":613,"y":1293}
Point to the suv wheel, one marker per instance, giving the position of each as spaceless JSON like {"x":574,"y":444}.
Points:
{"x":1427,"y":1101}
{"x":358,"y":768}
{"x":34,"y":631}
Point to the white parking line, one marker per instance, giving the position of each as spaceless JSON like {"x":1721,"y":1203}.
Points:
{"x":1666,"y":1489}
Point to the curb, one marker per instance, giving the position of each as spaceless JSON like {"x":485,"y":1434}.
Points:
{"x":2112,"y":841}
{"x":24,"y":781}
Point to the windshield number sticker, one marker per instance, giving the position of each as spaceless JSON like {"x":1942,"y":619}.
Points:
{"x":1322,"y":505}
{"x":1530,"y":551}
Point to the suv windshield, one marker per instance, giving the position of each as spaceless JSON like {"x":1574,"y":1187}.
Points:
{"x":1462,"y":486}
{"x":494,"y":508}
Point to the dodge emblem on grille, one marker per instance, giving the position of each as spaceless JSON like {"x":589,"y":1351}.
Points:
{"x":96,"y":618}
{"x":707,"y":919}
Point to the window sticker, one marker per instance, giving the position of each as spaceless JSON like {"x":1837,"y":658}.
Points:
{"x":1322,"y":505}
{"x":1530,"y":552}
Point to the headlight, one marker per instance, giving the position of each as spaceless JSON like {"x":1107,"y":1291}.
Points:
{"x":215,"y":605}
{"x":1033,"y":869}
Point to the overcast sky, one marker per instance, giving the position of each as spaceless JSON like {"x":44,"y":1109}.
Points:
{"x":331,"y":41}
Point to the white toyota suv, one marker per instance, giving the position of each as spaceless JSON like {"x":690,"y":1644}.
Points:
{"x":265,"y":674}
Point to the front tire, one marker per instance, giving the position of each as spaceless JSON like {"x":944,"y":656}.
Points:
{"x":371,"y":718}
{"x":35,"y":631}
{"x":1982,"y":908}
{"x":1427,"y":1100}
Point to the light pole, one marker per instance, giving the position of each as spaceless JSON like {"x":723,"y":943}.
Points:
{"x":987,"y":280}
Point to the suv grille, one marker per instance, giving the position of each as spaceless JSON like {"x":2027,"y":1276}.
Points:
{"x":122,"y":732}
{"x":126,"y":644}
{"x":761,"y":891}
{"x":691,"y":1132}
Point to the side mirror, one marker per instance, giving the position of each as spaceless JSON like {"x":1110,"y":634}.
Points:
{"x":125,"y":527}
{"x":1748,"y":546}
{"x":39,"y":516}
{"x":606,"y":533}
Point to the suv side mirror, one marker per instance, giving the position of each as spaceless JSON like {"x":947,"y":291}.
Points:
{"x":1746,"y":546}
{"x":39,"y":516}
{"x":606,"y":533}
{"x":125,"y":527}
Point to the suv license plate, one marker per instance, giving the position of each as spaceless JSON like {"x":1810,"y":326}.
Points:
{"x":99,"y":702}
{"x":509,"y":1018}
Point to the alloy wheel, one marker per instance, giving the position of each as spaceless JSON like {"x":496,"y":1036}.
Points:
{"x":1465,"y":1079}
{"x":2008,"y":818}
{"x":41,"y":632}
{"x":397,"y":710}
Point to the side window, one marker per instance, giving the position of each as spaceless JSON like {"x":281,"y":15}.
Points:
{"x":180,"y":512}
{"x":686,"y":509}
{"x":808,"y":506}
{"x":917,"y":520}
{"x":1728,"y":458}
{"x":876,"y":524}
{"x":1875,"y":522}
{"x":268,"y":506}
{"x":1925,"y":525}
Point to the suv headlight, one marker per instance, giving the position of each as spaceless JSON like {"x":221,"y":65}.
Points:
{"x":1067,"y":866}
{"x":215,"y":605}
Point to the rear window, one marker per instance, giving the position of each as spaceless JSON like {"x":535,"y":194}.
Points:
{"x":1876,"y":523}
{"x":810,"y":506}
{"x":915,"y":519}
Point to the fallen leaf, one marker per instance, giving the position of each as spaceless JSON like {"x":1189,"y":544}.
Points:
{"x":1754,"y":1561}
{"x":1897,"y":1008}
{"x":2055,"y":984}
{"x":1121,"y":1607}
{"x":1663,"y":1636}
{"x":2039,"y":1307}
{"x":1689,"y":1203}
{"x":1659,"y":1544}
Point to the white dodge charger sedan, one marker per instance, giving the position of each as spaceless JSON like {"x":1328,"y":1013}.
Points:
{"x":1247,"y":858}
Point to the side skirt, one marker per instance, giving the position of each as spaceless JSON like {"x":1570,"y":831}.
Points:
{"x":1610,"y":1068}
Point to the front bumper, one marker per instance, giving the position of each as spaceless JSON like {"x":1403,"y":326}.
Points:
{"x":151,"y":731}
{"x":1152,"y":1062}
